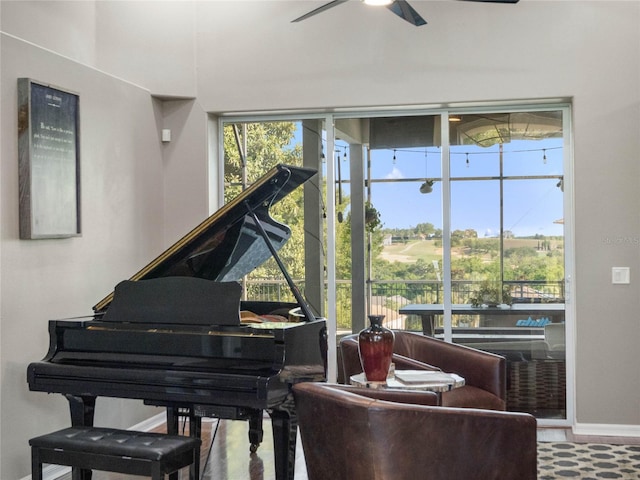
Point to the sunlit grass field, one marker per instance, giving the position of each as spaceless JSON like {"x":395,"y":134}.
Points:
{"x":429,"y":250}
{"x":411,"y":251}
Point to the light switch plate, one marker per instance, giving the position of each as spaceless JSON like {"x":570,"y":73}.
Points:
{"x":620,"y":275}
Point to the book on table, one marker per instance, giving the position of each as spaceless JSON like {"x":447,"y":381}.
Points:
{"x":422,"y":376}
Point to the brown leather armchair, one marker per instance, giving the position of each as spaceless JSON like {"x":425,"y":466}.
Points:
{"x":356,"y":433}
{"x":484,"y":373}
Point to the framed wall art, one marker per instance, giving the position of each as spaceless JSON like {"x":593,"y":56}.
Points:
{"x":48,"y":161}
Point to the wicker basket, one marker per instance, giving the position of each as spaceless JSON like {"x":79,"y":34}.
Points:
{"x":537,"y":387}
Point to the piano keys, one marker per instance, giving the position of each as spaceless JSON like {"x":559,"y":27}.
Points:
{"x":172,"y":335}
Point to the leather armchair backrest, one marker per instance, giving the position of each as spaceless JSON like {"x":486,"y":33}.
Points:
{"x":346,"y":436}
{"x":480,"y":369}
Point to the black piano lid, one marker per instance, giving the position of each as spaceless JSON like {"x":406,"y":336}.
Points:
{"x":228,"y":244}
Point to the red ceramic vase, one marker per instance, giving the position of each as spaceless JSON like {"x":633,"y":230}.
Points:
{"x":375,"y":345}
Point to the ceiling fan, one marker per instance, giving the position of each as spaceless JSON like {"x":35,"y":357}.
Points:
{"x":399,"y":7}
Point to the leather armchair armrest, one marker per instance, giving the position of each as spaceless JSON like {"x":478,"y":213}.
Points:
{"x":405,"y":363}
{"x":398,"y":396}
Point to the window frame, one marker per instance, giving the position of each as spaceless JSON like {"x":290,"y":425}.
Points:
{"x":330,"y":178}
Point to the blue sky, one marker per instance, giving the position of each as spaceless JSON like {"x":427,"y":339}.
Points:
{"x":530,"y":206}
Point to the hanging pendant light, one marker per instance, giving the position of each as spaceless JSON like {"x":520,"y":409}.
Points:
{"x":427,"y":187}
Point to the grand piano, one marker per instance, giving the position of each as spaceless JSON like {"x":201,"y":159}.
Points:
{"x":173,"y":334}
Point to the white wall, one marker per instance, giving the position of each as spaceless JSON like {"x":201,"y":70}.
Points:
{"x":150,"y":44}
{"x":123,"y":227}
{"x":589,"y":52}
{"x":353,"y":55}
{"x":246,"y":56}
{"x":186,"y":171}
{"x":138,"y":194}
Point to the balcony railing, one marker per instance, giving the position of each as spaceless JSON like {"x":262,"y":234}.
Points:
{"x":392,"y":295}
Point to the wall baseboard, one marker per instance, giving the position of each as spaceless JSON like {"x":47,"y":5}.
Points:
{"x":56,"y":472}
{"x":606,"y":430}
{"x":150,"y":423}
{"x":52,"y":472}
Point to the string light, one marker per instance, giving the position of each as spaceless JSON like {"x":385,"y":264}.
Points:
{"x":468,"y":154}
{"x":344,"y":149}
{"x":408,"y":150}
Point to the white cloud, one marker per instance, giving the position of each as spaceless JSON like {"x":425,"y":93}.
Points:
{"x":394,"y":174}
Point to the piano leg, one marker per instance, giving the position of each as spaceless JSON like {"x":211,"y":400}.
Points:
{"x":195,"y":430}
{"x":82,"y":412}
{"x":285,"y":429}
{"x":255,"y":431}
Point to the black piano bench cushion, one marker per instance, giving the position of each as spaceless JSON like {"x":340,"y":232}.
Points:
{"x":112,"y":450}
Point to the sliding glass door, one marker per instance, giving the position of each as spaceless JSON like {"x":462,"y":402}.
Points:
{"x":448,"y":223}
{"x":507,"y":249}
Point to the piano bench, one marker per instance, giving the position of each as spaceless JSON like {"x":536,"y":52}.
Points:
{"x":111,"y":450}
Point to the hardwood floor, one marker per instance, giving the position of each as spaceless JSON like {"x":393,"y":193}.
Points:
{"x":228,"y":456}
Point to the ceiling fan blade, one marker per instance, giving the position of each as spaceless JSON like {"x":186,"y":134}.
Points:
{"x":406,"y":12}
{"x":321,"y":9}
